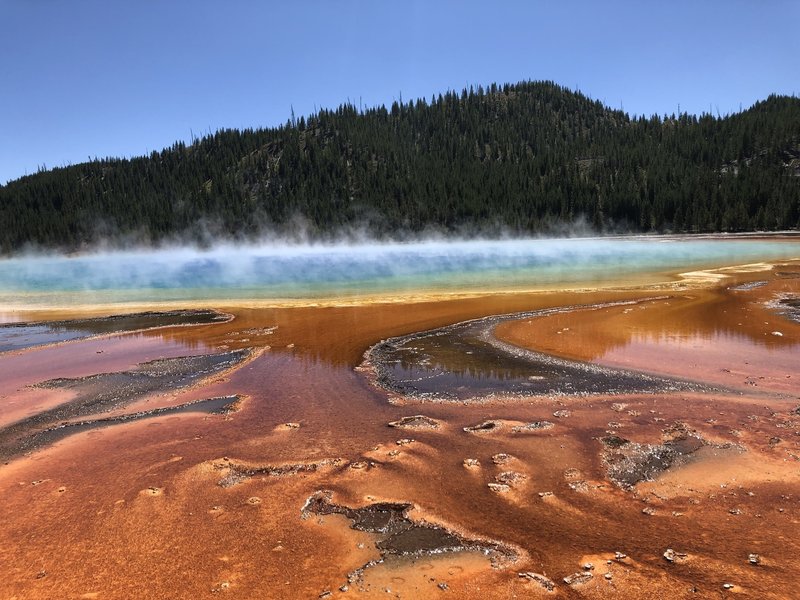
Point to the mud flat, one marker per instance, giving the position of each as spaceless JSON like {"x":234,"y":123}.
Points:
{"x":107,"y":392}
{"x":612,"y":459}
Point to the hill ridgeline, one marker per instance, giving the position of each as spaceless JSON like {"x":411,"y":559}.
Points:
{"x":525,"y":158}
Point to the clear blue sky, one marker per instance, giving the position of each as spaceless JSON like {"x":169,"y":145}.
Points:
{"x":84,"y":78}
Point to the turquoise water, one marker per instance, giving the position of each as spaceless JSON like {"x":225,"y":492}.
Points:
{"x":284,"y":272}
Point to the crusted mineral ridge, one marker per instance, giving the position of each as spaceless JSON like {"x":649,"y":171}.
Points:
{"x":221,"y":405}
{"x":484,"y":427}
{"x":789,"y":307}
{"x":746,"y":287}
{"x":466,"y":362}
{"x":104,"y":392}
{"x":534,"y":426}
{"x":546,"y":583}
{"x":239,"y":473}
{"x":399,"y":535}
{"x":20,"y":336}
{"x":415,"y":422}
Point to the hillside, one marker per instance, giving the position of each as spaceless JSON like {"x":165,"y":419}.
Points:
{"x":522,"y":158}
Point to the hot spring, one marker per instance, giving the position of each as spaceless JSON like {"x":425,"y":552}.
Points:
{"x":275,"y":272}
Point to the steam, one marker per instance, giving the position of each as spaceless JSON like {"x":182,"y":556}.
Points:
{"x":284,"y":270}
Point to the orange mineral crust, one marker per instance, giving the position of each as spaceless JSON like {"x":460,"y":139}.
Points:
{"x":319,"y":478}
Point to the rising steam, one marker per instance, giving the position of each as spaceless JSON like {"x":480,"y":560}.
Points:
{"x":285,"y":271}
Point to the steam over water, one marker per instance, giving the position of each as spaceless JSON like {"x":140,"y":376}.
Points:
{"x":317,"y":271}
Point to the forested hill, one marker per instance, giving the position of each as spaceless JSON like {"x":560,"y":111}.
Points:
{"x":524,"y":157}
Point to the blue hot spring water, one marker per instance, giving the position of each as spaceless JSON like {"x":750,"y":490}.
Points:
{"x":285,"y":272}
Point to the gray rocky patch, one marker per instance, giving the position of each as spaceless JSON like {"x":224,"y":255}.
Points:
{"x":465,"y":362}
{"x":399,"y":535}
{"x":629,"y":463}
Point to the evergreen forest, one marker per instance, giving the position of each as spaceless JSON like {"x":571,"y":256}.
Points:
{"x":527,"y":158}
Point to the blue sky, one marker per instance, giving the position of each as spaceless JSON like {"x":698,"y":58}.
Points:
{"x":93,"y":78}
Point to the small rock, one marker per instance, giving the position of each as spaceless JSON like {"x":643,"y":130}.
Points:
{"x":540,"y":579}
{"x":671,"y":556}
{"x":578,"y":578}
{"x":754,"y":559}
{"x":545,"y":494}
{"x":500,"y":488}
{"x":620,"y":556}
{"x":443,"y":586}
{"x":562,"y":414}
{"x":728,"y":586}
{"x":588,"y":567}
{"x":359,"y":464}
{"x":607,"y":576}
{"x":579,"y":486}
{"x":292,"y":425}
{"x":510,"y":477}
{"x":483,"y":427}
{"x":325,"y":594}
{"x":416,"y":422}
{"x":471,"y":463}
{"x":649,"y":510}
{"x":404,"y":442}
{"x":344,"y":588}
{"x":501,"y":458}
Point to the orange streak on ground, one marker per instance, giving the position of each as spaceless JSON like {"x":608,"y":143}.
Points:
{"x":134,"y":510}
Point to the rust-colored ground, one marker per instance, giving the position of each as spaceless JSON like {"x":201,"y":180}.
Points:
{"x":136,"y":510}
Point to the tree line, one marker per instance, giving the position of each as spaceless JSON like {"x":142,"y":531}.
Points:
{"x":522,"y":158}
